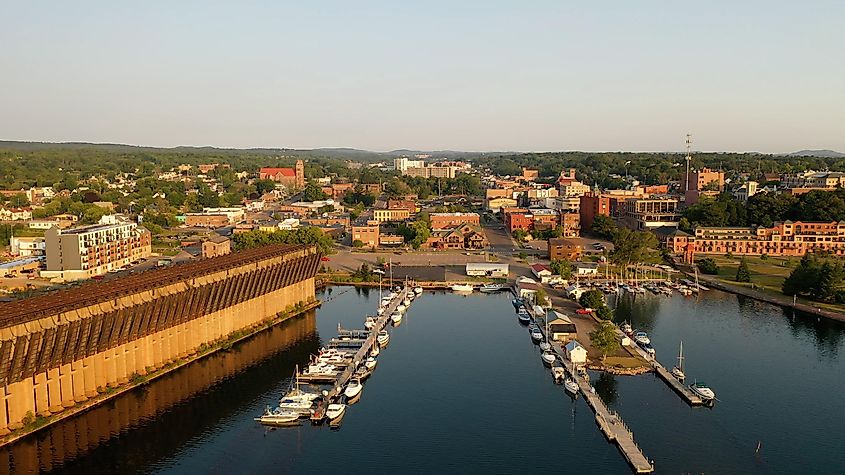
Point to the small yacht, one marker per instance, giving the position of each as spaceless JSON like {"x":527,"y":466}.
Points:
{"x":362,"y":372}
{"x":462,"y":288}
{"x":517,"y":303}
{"x":649,"y":349}
{"x":490,"y":288}
{"x":369,"y":323}
{"x":370,"y":363}
{"x":353,"y":389}
{"x":383,"y":338}
{"x":406,"y":302}
{"x":626,"y":328}
{"x":396,"y":318}
{"x":418,"y":290}
{"x":548,"y":357}
{"x":536,"y":334}
{"x":703,"y":390}
{"x":401,"y":308}
{"x":296,"y":405}
{"x":559,"y":374}
{"x":523,"y":316}
{"x":278,"y":417}
{"x":334,"y":412}
{"x":374,"y":351}
{"x":545,"y":346}
{"x":678,"y":370}
{"x":571,"y":386}
{"x":642,"y":338}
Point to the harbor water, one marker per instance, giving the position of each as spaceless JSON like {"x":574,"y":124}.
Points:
{"x":461,"y":389}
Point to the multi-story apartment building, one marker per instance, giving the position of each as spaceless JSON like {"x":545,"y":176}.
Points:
{"x":432,"y":171}
{"x":813,"y":179}
{"x":701,"y":180}
{"x":88,"y":251}
{"x":788,"y":238}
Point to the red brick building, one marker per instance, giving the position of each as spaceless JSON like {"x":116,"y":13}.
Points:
{"x":292,"y":177}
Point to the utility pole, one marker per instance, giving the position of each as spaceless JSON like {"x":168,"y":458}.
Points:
{"x":689,"y":157}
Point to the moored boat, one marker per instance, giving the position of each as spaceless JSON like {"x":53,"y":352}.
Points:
{"x":642,"y":338}
{"x":489,"y":288}
{"x":396,"y":318}
{"x":418,"y":290}
{"x":370,"y":363}
{"x":703,"y":390}
{"x":545,"y":346}
{"x":523,"y":316}
{"x":678,"y":370}
{"x":462,"y":288}
{"x":353,"y":390}
{"x":548,"y":357}
{"x":369,"y":323}
{"x":571,"y":386}
{"x":383,"y":338}
{"x":536,"y":334}
{"x":335,"y":411}
{"x":278,"y":417}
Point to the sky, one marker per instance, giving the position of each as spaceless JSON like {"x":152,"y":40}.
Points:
{"x":764,"y":76}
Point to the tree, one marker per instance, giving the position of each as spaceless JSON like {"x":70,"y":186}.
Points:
{"x":742,"y":272}
{"x":264,"y":186}
{"x":520,"y":235}
{"x":313,"y":192}
{"x":358,"y":243}
{"x":561,"y":267}
{"x":19,"y":200}
{"x":592,"y":299}
{"x":632,"y":246}
{"x":603,"y":226}
{"x":541,"y":298}
{"x":604,"y":339}
{"x":708,"y":266}
{"x":604,"y":312}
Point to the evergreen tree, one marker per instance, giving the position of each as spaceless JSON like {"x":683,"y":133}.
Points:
{"x":742,"y":272}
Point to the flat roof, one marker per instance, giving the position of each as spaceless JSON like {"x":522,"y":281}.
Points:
{"x":486,"y":265}
{"x":19,"y":262}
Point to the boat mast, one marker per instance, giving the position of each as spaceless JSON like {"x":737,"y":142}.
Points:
{"x":681,"y":357}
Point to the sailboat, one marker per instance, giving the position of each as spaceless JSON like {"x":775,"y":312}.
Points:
{"x":678,"y":371}
{"x":545,"y":346}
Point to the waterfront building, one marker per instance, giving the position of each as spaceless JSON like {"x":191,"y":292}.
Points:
{"x":575,"y":352}
{"x":541,"y":272}
{"x":290,"y":177}
{"x":788,"y":238}
{"x":87,"y":251}
{"x":586,"y":269}
{"x":487,"y":269}
{"x":561,"y":327}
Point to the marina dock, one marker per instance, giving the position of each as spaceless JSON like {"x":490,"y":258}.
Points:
{"x":610,"y":423}
{"x":343,"y":378}
{"x":680,"y":388}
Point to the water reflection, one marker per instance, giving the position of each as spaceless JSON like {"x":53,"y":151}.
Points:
{"x":606,"y":387}
{"x":640,"y":310}
{"x":145,"y":424}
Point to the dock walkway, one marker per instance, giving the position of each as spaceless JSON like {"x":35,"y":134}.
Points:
{"x":680,"y":388}
{"x":610,"y":423}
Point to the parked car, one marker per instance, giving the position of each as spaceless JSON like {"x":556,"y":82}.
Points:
{"x":325,"y":259}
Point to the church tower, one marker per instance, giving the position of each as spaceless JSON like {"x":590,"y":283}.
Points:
{"x":300,"y":174}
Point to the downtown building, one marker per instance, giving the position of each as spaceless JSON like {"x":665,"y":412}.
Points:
{"x":88,"y":251}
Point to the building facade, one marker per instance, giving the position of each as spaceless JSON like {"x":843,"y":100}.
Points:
{"x":451,"y":220}
{"x":88,"y":251}
{"x":788,"y":238}
{"x":290,"y":177}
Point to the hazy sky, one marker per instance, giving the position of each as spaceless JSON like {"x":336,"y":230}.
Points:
{"x":523,"y":75}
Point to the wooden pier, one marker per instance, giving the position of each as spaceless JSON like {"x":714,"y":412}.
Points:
{"x":611,"y":425}
{"x":343,"y":378}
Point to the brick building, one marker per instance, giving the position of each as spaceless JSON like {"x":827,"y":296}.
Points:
{"x":290,"y":177}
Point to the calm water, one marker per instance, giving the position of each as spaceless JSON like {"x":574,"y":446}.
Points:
{"x":461,"y":388}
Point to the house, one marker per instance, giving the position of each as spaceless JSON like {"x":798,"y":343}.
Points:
{"x":561,"y":327}
{"x":542,"y":272}
{"x":586,"y":268}
{"x":575,"y":352}
{"x":465,"y":236}
{"x":487,"y":269}
{"x":527,"y":288}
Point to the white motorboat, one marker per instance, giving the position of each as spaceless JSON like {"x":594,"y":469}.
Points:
{"x":353,"y":389}
{"x":626,"y":328}
{"x":406,"y":302}
{"x":369,"y":323}
{"x":362,"y":372}
{"x":278,"y":417}
{"x":703,"y":390}
{"x":418,"y":290}
{"x":401,"y":308}
{"x":381,"y":310}
{"x":548,"y":357}
{"x":536,"y":334}
{"x":296,"y":405}
{"x":559,"y":374}
{"x":545,"y":346}
{"x":523,"y":316}
{"x":642,"y":338}
{"x":374,"y":351}
{"x":462,"y":288}
{"x":370,"y":363}
{"x":383,"y":338}
{"x":678,"y":371}
{"x":396,"y":318}
{"x":490,"y":288}
{"x":571,"y":386}
{"x":335,"y":411}
{"x":295,"y":394}
{"x":649,"y":349}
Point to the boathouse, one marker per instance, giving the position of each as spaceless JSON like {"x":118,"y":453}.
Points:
{"x":561,"y":327}
{"x":575,"y":352}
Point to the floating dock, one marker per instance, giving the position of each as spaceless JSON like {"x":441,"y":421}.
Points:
{"x":679,"y":387}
